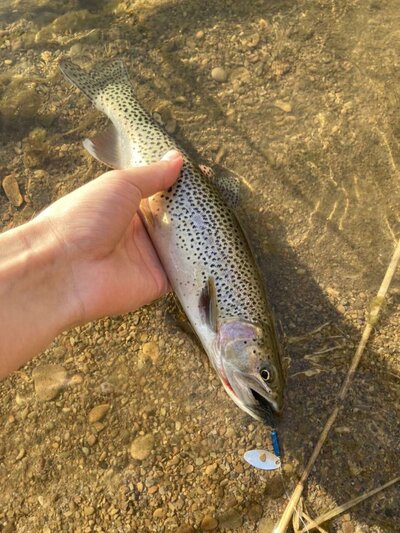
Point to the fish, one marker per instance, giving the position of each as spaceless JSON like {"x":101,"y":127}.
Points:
{"x":195,"y":231}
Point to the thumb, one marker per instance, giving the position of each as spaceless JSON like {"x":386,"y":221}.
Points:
{"x":150,"y":179}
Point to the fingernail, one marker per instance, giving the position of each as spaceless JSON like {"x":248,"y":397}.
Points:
{"x":171,"y":155}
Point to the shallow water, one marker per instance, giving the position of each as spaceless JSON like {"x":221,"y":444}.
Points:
{"x":310,"y":118}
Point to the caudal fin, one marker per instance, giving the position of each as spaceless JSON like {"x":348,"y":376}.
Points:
{"x":93,"y":83}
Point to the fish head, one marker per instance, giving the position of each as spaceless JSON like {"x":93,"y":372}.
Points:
{"x":250,"y":368}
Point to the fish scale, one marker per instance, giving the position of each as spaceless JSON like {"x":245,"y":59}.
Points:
{"x":200,"y":244}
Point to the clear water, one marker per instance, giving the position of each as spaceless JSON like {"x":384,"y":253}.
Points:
{"x":310,"y":118}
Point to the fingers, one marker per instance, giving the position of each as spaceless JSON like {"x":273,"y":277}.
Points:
{"x":150,"y":179}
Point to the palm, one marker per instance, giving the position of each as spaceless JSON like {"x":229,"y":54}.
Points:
{"x":113,"y":264}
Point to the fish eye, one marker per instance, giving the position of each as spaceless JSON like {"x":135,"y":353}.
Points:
{"x":265,"y":374}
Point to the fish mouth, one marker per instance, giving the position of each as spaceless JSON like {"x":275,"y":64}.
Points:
{"x":264,"y":409}
{"x":245,"y":392}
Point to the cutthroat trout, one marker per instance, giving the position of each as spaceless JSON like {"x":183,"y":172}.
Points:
{"x":199,"y":242}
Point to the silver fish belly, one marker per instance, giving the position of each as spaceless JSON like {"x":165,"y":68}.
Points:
{"x":200,"y":244}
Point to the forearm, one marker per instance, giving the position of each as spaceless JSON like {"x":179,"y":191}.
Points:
{"x":36,"y":297}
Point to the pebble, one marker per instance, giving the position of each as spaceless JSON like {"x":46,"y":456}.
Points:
{"x":170,"y":126}
{"x":208,"y":523}
{"x":91,"y":440}
{"x":151,"y":351}
{"x":230,"y":519}
{"x":11,"y":189}
{"x":141,"y":447}
{"x":98,"y":412}
{"x":200,"y":34}
{"x":283,"y":106}
{"x":88,"y":510}
{"x":254,"y":511}
{"x":219,"y":74}
{"x":253,"y":40}
{"x":20,"y":455}
{"x":75,"y":50}
{"x":210,"y":469}
{"x":288,"y":468}
{"x":266,"y":525}
{"x":159,"y":513}
{"x":49,"y":380}
{"x":347,"y":527}
{"x":184,"y":528}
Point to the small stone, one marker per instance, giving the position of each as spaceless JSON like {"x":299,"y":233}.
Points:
{"x":153,"y":489}
{"x":140,"y":486}
{"x":184,"y":528}
{"x":283,"y":106}
{"x":88,"y":510}
{"x":151,"y":351}
{"x":210,"y":469}
{"x":347,"y":527}
{"x":266,"y":525}
{"x":11,"y":189}
{"x":159,"y":513}
{"x":91,"y":440}
{"x":188,"y":469}
{"x":219,"y":74}
{"x":230,"y":519}
{"x":49,"y":380}
{"x":75,"y":50}
{"x":76,"y":379}
{"x":208,"y":523}
{"x":170,"y":126}
{"x":254,"y":511}
{"x":98,"y":412}
{"x":8,"y":61}
{"x":158,"y":118}
{"x":200,"y":34}
{"x":288,"y":468}
{"x":230,"y":432}
{"x":253,"y":40}
{"x":231,"y":501}
{"x":141,"y":447}
{"x":20,"y":455}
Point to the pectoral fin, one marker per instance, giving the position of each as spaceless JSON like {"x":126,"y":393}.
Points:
{"x":209,"y":305}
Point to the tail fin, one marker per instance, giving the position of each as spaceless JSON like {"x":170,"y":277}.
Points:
{"x":93,"y":83}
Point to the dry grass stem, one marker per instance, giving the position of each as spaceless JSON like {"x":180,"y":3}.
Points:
{"x":345,"y":506}
{"x":375,"y":310}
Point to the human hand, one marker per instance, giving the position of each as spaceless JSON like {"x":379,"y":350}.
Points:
{"x":113,"y":267}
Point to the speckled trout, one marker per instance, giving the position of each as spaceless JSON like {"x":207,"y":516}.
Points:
{"x":199,"y":242}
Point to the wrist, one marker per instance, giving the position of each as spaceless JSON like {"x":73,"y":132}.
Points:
{"x":36,"y":293}
{"x":48,"y":264}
